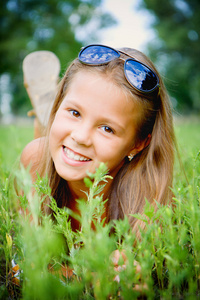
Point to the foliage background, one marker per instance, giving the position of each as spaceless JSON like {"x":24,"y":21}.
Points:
{"x":64,"y":26}
{"x":31,"y":25}
{"x":176,"y":51}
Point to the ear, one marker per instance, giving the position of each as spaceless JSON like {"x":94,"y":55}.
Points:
{"x":140,"y":146}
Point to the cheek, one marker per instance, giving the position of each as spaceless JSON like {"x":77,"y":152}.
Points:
{"x":54,"y":135}
{"x":57,"y":128}
{"x":112,"y":153}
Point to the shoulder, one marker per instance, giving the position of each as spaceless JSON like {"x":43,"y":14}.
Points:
{"x":32,"y":152}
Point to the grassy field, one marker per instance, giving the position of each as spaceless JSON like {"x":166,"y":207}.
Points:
{"x":188,"y":136}
{"x":169,"y":259}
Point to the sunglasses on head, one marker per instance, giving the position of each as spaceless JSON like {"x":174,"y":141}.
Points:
{"x":138,"y":75}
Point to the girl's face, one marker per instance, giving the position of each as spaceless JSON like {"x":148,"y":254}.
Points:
{"x":96,"y":122}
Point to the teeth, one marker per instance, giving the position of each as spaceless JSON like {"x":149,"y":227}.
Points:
{"x":70,"y":154}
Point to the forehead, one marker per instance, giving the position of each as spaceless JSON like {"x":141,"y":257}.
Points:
{"x":90,"y":82}
{"x":95,"y":76}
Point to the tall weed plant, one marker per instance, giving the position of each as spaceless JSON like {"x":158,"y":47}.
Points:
{"x":42,"y":258}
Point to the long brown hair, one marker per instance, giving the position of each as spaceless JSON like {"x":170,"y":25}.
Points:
{"x":149,"y":174}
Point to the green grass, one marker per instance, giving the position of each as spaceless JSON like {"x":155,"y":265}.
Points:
{"x":188,"y":139}
{"x":169,"y":258}
{"x":188,"y":136}
{"x":12,"y":140}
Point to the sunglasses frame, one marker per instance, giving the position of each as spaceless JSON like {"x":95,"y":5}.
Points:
{"x":131,"y":58}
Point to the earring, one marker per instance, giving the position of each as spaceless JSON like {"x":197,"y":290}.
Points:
{"x":130,"y":157}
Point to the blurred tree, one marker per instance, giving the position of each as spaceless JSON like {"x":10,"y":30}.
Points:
{"x":59,"y":26}
{"x":177,"y":24}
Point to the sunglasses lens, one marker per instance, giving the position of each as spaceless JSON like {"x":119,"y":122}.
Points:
{"x":97,"y":55}
{"x":140,"y":76}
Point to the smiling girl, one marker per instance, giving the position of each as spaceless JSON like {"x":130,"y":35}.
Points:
{"x":112,"y":107}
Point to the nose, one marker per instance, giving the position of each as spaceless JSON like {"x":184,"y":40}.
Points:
{"x":82,"y":135}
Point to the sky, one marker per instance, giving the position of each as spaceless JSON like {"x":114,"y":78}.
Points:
{"x":133,"y":28}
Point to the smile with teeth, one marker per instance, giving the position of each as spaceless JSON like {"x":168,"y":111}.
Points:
{"x":72,"y":155}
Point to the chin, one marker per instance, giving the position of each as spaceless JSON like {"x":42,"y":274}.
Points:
{"x":72,"y":177}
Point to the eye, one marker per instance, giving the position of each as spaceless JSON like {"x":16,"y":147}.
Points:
{"x":74,"y":113}
{"x":107,"y":129}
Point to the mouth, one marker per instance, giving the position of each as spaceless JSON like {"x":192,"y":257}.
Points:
{"x":74,"y":156}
